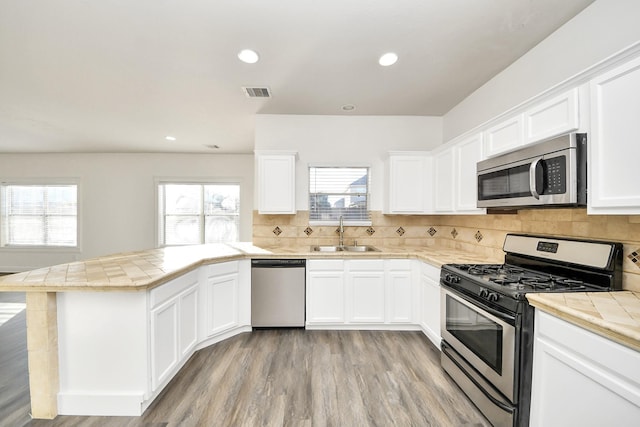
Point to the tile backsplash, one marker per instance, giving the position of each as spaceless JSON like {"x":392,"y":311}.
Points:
{"x":475,"y":233}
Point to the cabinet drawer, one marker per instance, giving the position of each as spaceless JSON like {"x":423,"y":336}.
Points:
{"x":170,"y":289}
{"x":222,"y":268}
{"x":399,"y":264}
{"x":325,"y":264}
{"x":430,"y":271}
{"x":366,"y":265}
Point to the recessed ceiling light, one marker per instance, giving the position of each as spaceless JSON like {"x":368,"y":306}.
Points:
{"x":348,"y":107}
{"x":388,"y":59}
{"x":249,"y":56}
{"x":170,"y":138}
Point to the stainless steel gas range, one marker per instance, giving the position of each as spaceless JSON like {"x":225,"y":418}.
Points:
{"x":487,"y":324}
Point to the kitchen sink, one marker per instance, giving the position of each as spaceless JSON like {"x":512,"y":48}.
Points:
{"x":358,"y":248}
{"x":327,"y":248}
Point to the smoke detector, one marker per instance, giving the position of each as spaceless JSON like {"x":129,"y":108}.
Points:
{"x":257,"y":92}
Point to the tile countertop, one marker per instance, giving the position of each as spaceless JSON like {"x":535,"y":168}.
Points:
{"x":146,"y":269}
{"x":614,"y":315}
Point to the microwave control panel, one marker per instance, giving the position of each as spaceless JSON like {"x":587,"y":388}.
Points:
{"x":555,"y":172}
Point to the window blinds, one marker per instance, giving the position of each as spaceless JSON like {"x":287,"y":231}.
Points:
{"x":339,"y":191}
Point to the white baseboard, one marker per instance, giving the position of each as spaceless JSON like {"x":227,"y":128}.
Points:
{"x":433,"y":337}
{"x":363,"y":327}
{"x":100,"y":404}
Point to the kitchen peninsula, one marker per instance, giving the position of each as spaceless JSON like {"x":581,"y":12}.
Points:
{"x":105,"y":335}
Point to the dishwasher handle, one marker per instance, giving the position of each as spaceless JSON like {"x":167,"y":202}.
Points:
{"x":278,"y":263}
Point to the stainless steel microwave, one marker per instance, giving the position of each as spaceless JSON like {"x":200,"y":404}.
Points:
{"x":549,"y":173}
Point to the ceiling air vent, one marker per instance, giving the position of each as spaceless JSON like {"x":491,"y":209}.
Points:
{"x":257,"y":92}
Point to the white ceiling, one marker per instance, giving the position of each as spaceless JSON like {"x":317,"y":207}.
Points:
{"x":119,"y":75}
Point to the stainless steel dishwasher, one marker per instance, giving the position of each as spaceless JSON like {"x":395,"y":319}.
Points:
{"x":278,"y":292}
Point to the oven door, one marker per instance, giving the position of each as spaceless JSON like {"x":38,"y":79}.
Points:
{"x":548,"y":179}
{"x":484,"y":337}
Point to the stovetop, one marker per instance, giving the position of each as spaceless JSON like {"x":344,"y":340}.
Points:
{"x":515,"y":279}
{"x":505,"y":286}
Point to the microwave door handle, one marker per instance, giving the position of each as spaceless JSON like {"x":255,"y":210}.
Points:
{"x":535,"y":171}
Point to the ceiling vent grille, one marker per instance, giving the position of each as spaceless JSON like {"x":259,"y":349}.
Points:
{"x":257,"y":92}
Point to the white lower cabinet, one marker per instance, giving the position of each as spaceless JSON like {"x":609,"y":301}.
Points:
{"x":222,"y":293}
{"x":365,"y":291}
{"x":173,"y":326}
{"x":400,"y":291}
{"x":581,"y":378}
{"x":118,"y":364}
{"x":351,"y":294}
{"x":430,"y":302}
{"x":325,"y":292}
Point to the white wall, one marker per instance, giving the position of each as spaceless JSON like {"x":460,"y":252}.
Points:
{"x":117,"y":197}
{"x":346,"y":141}
{"x":602,"y":29}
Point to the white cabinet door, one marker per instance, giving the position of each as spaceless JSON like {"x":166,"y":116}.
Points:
{"x":164,"y":341}
{"x":430,"y":299}
{"x":444,"y":185}
{"x":365,"y":291}
{"x":408,"y":183}
{"x":467,"y":153}
{"x":582,"y":379}
{"x":174,"y":325}
{"x":188,"y":322}
{"x":399,"y":295}
{"x":455,"y":182}
{"x":505,"y":136}
{"x":222,"y":303}
{"x":551,"y":118}
{"x":614,"y":150}
{"x":276,"y":183}
{"x":365,"y":296}
{"x":325,"y":291}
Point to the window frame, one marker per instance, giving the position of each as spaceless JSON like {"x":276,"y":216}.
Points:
{"x":159,"y":216}
{"x":351,"y":223}
{"x":41,"y":182}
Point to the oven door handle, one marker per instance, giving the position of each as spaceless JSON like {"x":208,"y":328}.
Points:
{"x":500,"y":315}
{"x":535,"y":178}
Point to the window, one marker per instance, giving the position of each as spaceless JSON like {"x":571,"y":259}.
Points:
{"x":339,"y":191}
{"x":39,"y":215}
{"x":198,"y":213}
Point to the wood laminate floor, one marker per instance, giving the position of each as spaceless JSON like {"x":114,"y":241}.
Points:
{"x":14,"y":377}
{"x":293,"y":377}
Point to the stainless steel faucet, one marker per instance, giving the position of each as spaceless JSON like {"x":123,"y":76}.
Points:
{"x":341,"y":232}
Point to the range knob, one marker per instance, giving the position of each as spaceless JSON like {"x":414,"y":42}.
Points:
{"x":493,"y":296}
{"x":454,"y":279}
{"x":484,"y":293}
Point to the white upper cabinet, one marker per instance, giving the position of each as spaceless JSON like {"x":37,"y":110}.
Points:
{"x":276,"y":180}
{"x":613,"y":147}
{"x":551,"y":118}
{"x":408,"y":183}
{"x":443,"y":172}
{"x":455,"y":182}
{"x":467,"y":153}
{"x":505,"y":136}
